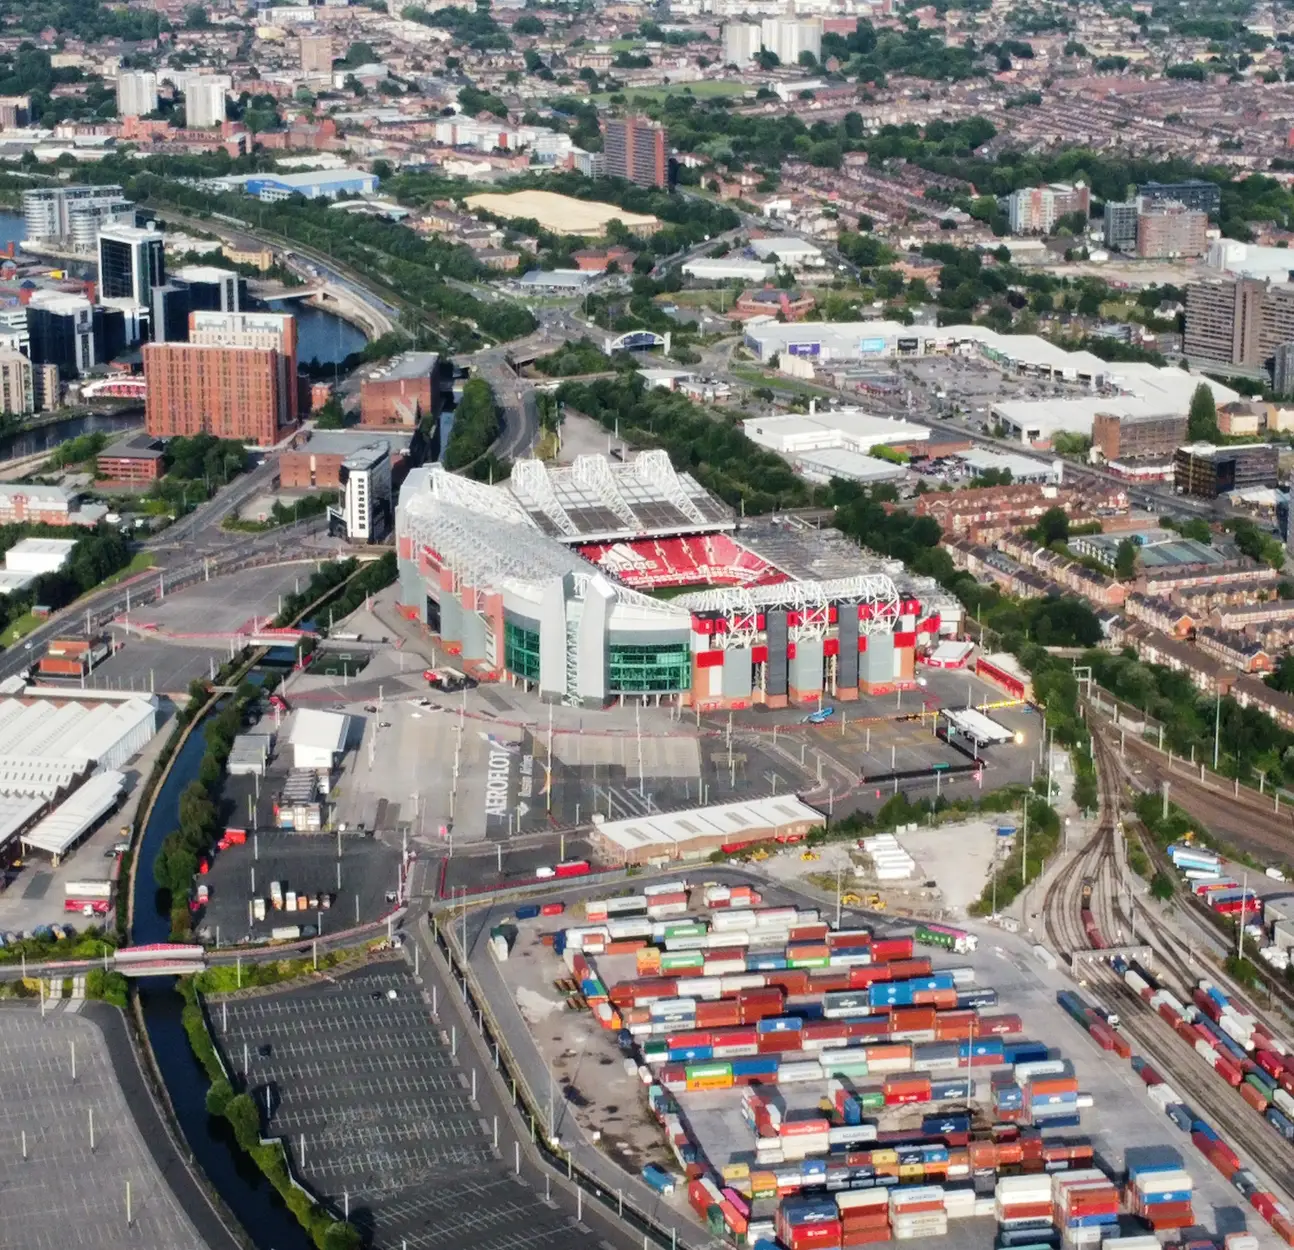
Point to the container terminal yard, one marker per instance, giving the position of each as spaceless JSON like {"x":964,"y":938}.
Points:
{"x":770,"y":1075}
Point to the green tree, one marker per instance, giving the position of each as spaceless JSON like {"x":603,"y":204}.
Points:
{"x":1125,"y":560}
{"x":1052,"y":527}
{"x":342,"y":1236}
{"x":1202,"y":417}
{"x":331,"y":416}
{"x":219,"y":1096}
{"x":1161,"y":887}
{"x":245,"y":1119}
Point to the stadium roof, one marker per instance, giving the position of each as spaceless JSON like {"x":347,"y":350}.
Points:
{"x":487,"y":538}
{"x":597,"y":498}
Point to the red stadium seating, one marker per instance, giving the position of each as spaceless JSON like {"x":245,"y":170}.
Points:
{"x":704,"y":560}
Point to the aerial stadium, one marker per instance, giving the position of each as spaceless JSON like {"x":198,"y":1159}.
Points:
{"x":626,"y":580}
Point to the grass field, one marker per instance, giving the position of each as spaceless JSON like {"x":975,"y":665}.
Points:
{"x":707,"y":90}
{"x":776,"y":382}
{"x":674,"y":592}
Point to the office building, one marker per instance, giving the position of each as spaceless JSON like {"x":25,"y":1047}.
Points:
{"x":314,"y":184}
{"x":131,"y":263}
{"x":1283,"y":370}
{"x":136,"y":93}
{"x":136,"y":458}
{"x":787,"y":37}
{"x":316,"y":56}
{"x":275,"y":332}
{"x":1169,"y":231}
{"x":1120,"y":437}
{"x":231,"y":392}
{"x":1195,"y":193}
{"x":1036,"y":210}
{"x":635,"y":148}
{"x":17,"y":389}
{"x":1238,"y":321}
{"x":61,"y":330}
{"x":13,"y":328}
{"x":169,"y":313}
{"x":204,"y":101}
{"x":1205,"y":471}
{"x":48,"y":387}
{"x":47,"y":210}
{"x":86,"y":220}
{"x":403,"y":392}
{"x":366,"y":493}
{"x":1121,"y":225}
{"x":741,"y":43}
{"x":211,"y":289}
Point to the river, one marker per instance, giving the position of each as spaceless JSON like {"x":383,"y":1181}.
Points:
{"x":240,"y":1183}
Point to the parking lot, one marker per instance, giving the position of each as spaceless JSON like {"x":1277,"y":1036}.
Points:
{"x":377,"y":1114}
{"x":65,"y":1195}
{"x":306,"y":863}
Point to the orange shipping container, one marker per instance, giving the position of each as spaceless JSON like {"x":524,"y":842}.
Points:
{"x":625,"y":947}
{"x":890,"y":1050}
{"x":1054,"y":1085}
{"x":1253,"y":1097}
{"x":912,"y":1018}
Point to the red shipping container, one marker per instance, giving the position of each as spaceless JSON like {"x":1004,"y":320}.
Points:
{"x":1222,"y":1149}
{"x":827,"y":1030}
{"x":792,"y":980}
{"x":808,"y":933}
{"x":873,"y":1026}
{"x":998,"y":1026}
{"x":864,"y":1236}
{"x":908,"y":969}
{"x":1264,"y":1203}
{"x":1149,"y":1076}
{"x":1228,"y":1070}
{"x":940,"y":999}
{"x":912,"y":1018}
{"x":775,"y":1043}
{"x":1122,"y":1047}
{"x":1027,"y":1211}
{"x":1270,"y":1063}
{"x":1286,"y":1081}
{"x":1102,"y":1034}
{"x":1283,"y":1229}
{"x":892,"y":948}
{"x":829,"y":982}
{"x":849,"y":941}
{"x":678,"y":1041}
{"x":868,"y":974}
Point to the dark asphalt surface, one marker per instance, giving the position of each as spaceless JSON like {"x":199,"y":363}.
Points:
{"x":143,"y":1107}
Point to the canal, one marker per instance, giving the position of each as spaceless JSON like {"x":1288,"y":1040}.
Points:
{"x":241,"y":1184}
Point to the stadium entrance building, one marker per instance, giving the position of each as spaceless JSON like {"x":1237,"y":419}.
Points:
{"x":549,"y":580}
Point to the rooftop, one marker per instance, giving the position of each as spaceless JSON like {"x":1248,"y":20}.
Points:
{"x":410,"y":365}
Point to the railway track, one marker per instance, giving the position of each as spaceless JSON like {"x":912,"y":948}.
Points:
{"x":1245,"y":818}
{"x":1200,"y":1087}
{"x":1080,"y":909}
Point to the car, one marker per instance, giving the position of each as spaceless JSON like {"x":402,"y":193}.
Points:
{"x":545,"y":873}
{"x":264,"y":1050}
{"x":120,"y":848}
{"x":110,"y":853}
{"x":384,"y":724}
{"x":370,"y":707}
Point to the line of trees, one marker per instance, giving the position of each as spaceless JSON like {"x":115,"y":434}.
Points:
{"x":476,"y":424}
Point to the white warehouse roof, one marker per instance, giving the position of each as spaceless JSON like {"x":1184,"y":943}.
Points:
{"x":848,"y":428}
{"x":320,"y":731}
{"x":47,"y":739}
{"x":69,"y":822}
{"x":670,"y":830}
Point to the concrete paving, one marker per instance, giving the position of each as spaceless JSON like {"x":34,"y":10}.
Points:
{"x":65,"y":1195}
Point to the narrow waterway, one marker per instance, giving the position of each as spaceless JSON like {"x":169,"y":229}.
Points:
{"x":243,"y":1187}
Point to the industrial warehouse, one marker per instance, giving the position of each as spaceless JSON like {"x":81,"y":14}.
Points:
{"x":548,"y":580}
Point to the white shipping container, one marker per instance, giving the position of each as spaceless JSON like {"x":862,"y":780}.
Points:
{"x":1283,"y":1101}
{"x":739,"y":1050}
{"x":726,"y":921}
{"x":1135,"y":982}
{"x":661,"y":910}
{"x":1238,"y":1032}
{"x":862,"y":1199}
{"x":637,"y":928}
{"x":700,"y":987}
{"x":665,"y":887}
{"x":1163,"y":1095}
{"x":742,"y":981}
{"x":799,"y":1071}
{"x":1089,"y":1235}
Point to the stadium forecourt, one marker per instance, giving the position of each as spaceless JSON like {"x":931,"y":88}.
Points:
{"x":552,"y":580}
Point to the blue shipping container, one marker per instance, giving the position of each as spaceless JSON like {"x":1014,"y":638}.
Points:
{"x":527,"y":911}
{"x":1064,"y":1121}
{"x":779,"y":1024}
{"x":1280,"y":1122}
{"x":937,"y":1125}
{"x":1171,"y":1195}
{"x":760,"y":1066}
{"x":1199,"y":1126}
{"x":1024,"y":1052}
